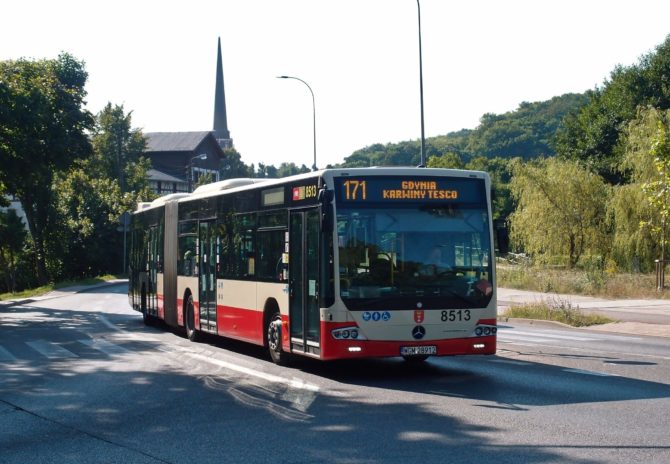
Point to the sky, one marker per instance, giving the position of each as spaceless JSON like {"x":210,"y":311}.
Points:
{"x":360,"y":57}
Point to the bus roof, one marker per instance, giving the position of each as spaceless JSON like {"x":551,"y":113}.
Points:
{"x":215,"y":188}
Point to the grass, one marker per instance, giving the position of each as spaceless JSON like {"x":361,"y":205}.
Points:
{"x":55,"y":286}
{"x":579,"y":282}
{"x":558,"y":310}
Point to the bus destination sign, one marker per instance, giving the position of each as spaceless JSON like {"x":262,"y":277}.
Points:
{"x":388,"y":189}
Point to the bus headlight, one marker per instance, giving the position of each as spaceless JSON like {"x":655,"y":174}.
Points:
{"x":347,"y":333}
{"x":484,"y":331}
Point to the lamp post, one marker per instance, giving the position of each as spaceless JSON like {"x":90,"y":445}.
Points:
{"x":190,"y":170}
{"x":423,"y":137}
{"x":313,"y":113}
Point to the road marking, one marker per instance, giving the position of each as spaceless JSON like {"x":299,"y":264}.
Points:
{"x":6,"y":356}
{"x":509,"y":361}
{"x":51,"y":350}
{"x":106,"y":347}
{"x":519,"y":334}
{"x":294,"y":383}
{"x":105,"y":321}
{"x":594,"y":373}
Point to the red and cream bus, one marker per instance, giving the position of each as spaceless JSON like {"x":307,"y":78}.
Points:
{"x":333,"y":264}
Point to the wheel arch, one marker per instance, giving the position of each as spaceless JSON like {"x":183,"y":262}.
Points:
{"x":270,"y":308}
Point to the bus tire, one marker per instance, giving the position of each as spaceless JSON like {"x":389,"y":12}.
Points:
{"x":274,"y":337}
{"x":189,"y":320}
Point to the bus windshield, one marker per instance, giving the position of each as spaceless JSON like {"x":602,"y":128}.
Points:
{"x":397,"y":257}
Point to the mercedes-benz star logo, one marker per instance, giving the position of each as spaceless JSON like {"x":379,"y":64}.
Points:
{"x":418,"y":332}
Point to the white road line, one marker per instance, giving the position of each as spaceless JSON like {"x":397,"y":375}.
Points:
{"x":105,"y":321}
{"x":594,"y":373}
{"x":509,"y":361}
{"x":294,"y":383}
{"x":6,"y":356}
{"x":517,"y":334}
{"x":105,"y":346}
{"x":51,"y":350}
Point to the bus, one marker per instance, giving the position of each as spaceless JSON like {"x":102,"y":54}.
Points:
{"x":331,"y":264}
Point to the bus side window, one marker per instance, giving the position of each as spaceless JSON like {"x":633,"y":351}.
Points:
{"x":186,"y":255}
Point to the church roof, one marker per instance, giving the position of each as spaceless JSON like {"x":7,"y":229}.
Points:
{"x":156,"y":175}
{"x":175,"y":141}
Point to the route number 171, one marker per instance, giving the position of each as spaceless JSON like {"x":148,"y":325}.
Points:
{"x":355,"y":189}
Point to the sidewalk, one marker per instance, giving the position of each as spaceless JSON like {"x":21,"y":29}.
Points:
{"x":641,"y":317}
{"x":61,"y":292}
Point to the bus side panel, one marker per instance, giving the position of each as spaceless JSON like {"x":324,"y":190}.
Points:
{"x":236,"y":311}
{"x":169,"y":293}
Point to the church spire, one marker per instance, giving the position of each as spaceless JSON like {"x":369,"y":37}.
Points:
{"x":220,"y":129}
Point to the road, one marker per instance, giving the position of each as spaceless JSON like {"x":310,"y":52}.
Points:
{"x":83,"y":380}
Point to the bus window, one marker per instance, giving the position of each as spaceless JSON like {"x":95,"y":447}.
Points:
{"x":270,"y":244}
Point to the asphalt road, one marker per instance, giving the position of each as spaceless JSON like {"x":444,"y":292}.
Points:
{"x":83,"y":380}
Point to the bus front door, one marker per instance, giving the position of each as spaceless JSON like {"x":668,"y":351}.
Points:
{"x":207,"y":276}
{"x":304,"y":317}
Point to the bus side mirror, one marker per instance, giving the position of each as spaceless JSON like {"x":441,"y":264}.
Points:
{"x":326,"y":199}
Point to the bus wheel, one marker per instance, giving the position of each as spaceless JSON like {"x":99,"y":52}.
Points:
{"x":274,"y":340}
{"x":148,"y":320}
{"x":415,"y":359}
{"x":191,"y":332}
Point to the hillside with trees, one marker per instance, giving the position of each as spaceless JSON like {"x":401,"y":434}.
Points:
{"x":527,"y":132}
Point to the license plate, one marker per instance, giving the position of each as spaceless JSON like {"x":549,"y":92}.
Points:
{"x":417,"y":350}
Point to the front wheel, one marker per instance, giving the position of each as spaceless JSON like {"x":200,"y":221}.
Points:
{"x":191,"y":332}
{"x":278,"y":355}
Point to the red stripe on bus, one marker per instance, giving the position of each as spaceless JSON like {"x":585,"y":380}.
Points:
{"x":161,"y":306}
{"x":240,"y":323}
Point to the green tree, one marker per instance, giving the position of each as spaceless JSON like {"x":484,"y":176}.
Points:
{"x":449,"y":160}
{"x":560,"y":210}
{"x":42,"y":132}
{"x":631,"y":213}
{"x":290,"y":169}
{"x":12,"y":239}
{"x":88,"y":209}
{"x":118,"y":148}
{"x":596,"y":133}
{"x":657,"y":189}
{"x":232,"y":166}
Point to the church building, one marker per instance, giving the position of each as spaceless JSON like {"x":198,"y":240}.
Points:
{"x":179,"y":159}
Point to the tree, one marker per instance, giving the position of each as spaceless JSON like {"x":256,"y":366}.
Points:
{"x":449,"y":160}
{"x":596,"y":133}
{"x":561,"y":210}
{"x":631,"y":212}
{"x":657,"y":189}
{"x":117,"y":147}
{"x":42,"y":132}
{"x":232,"y":166}
{"x":88,"y":209}
{"x":12,"y":239}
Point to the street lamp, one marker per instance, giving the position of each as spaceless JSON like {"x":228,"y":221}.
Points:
{"x":190,"y":176}
{"x":313,"y":113}
{"x":423,"y":137}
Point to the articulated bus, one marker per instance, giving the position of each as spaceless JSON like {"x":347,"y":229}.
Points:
{"x":333,"y":264}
